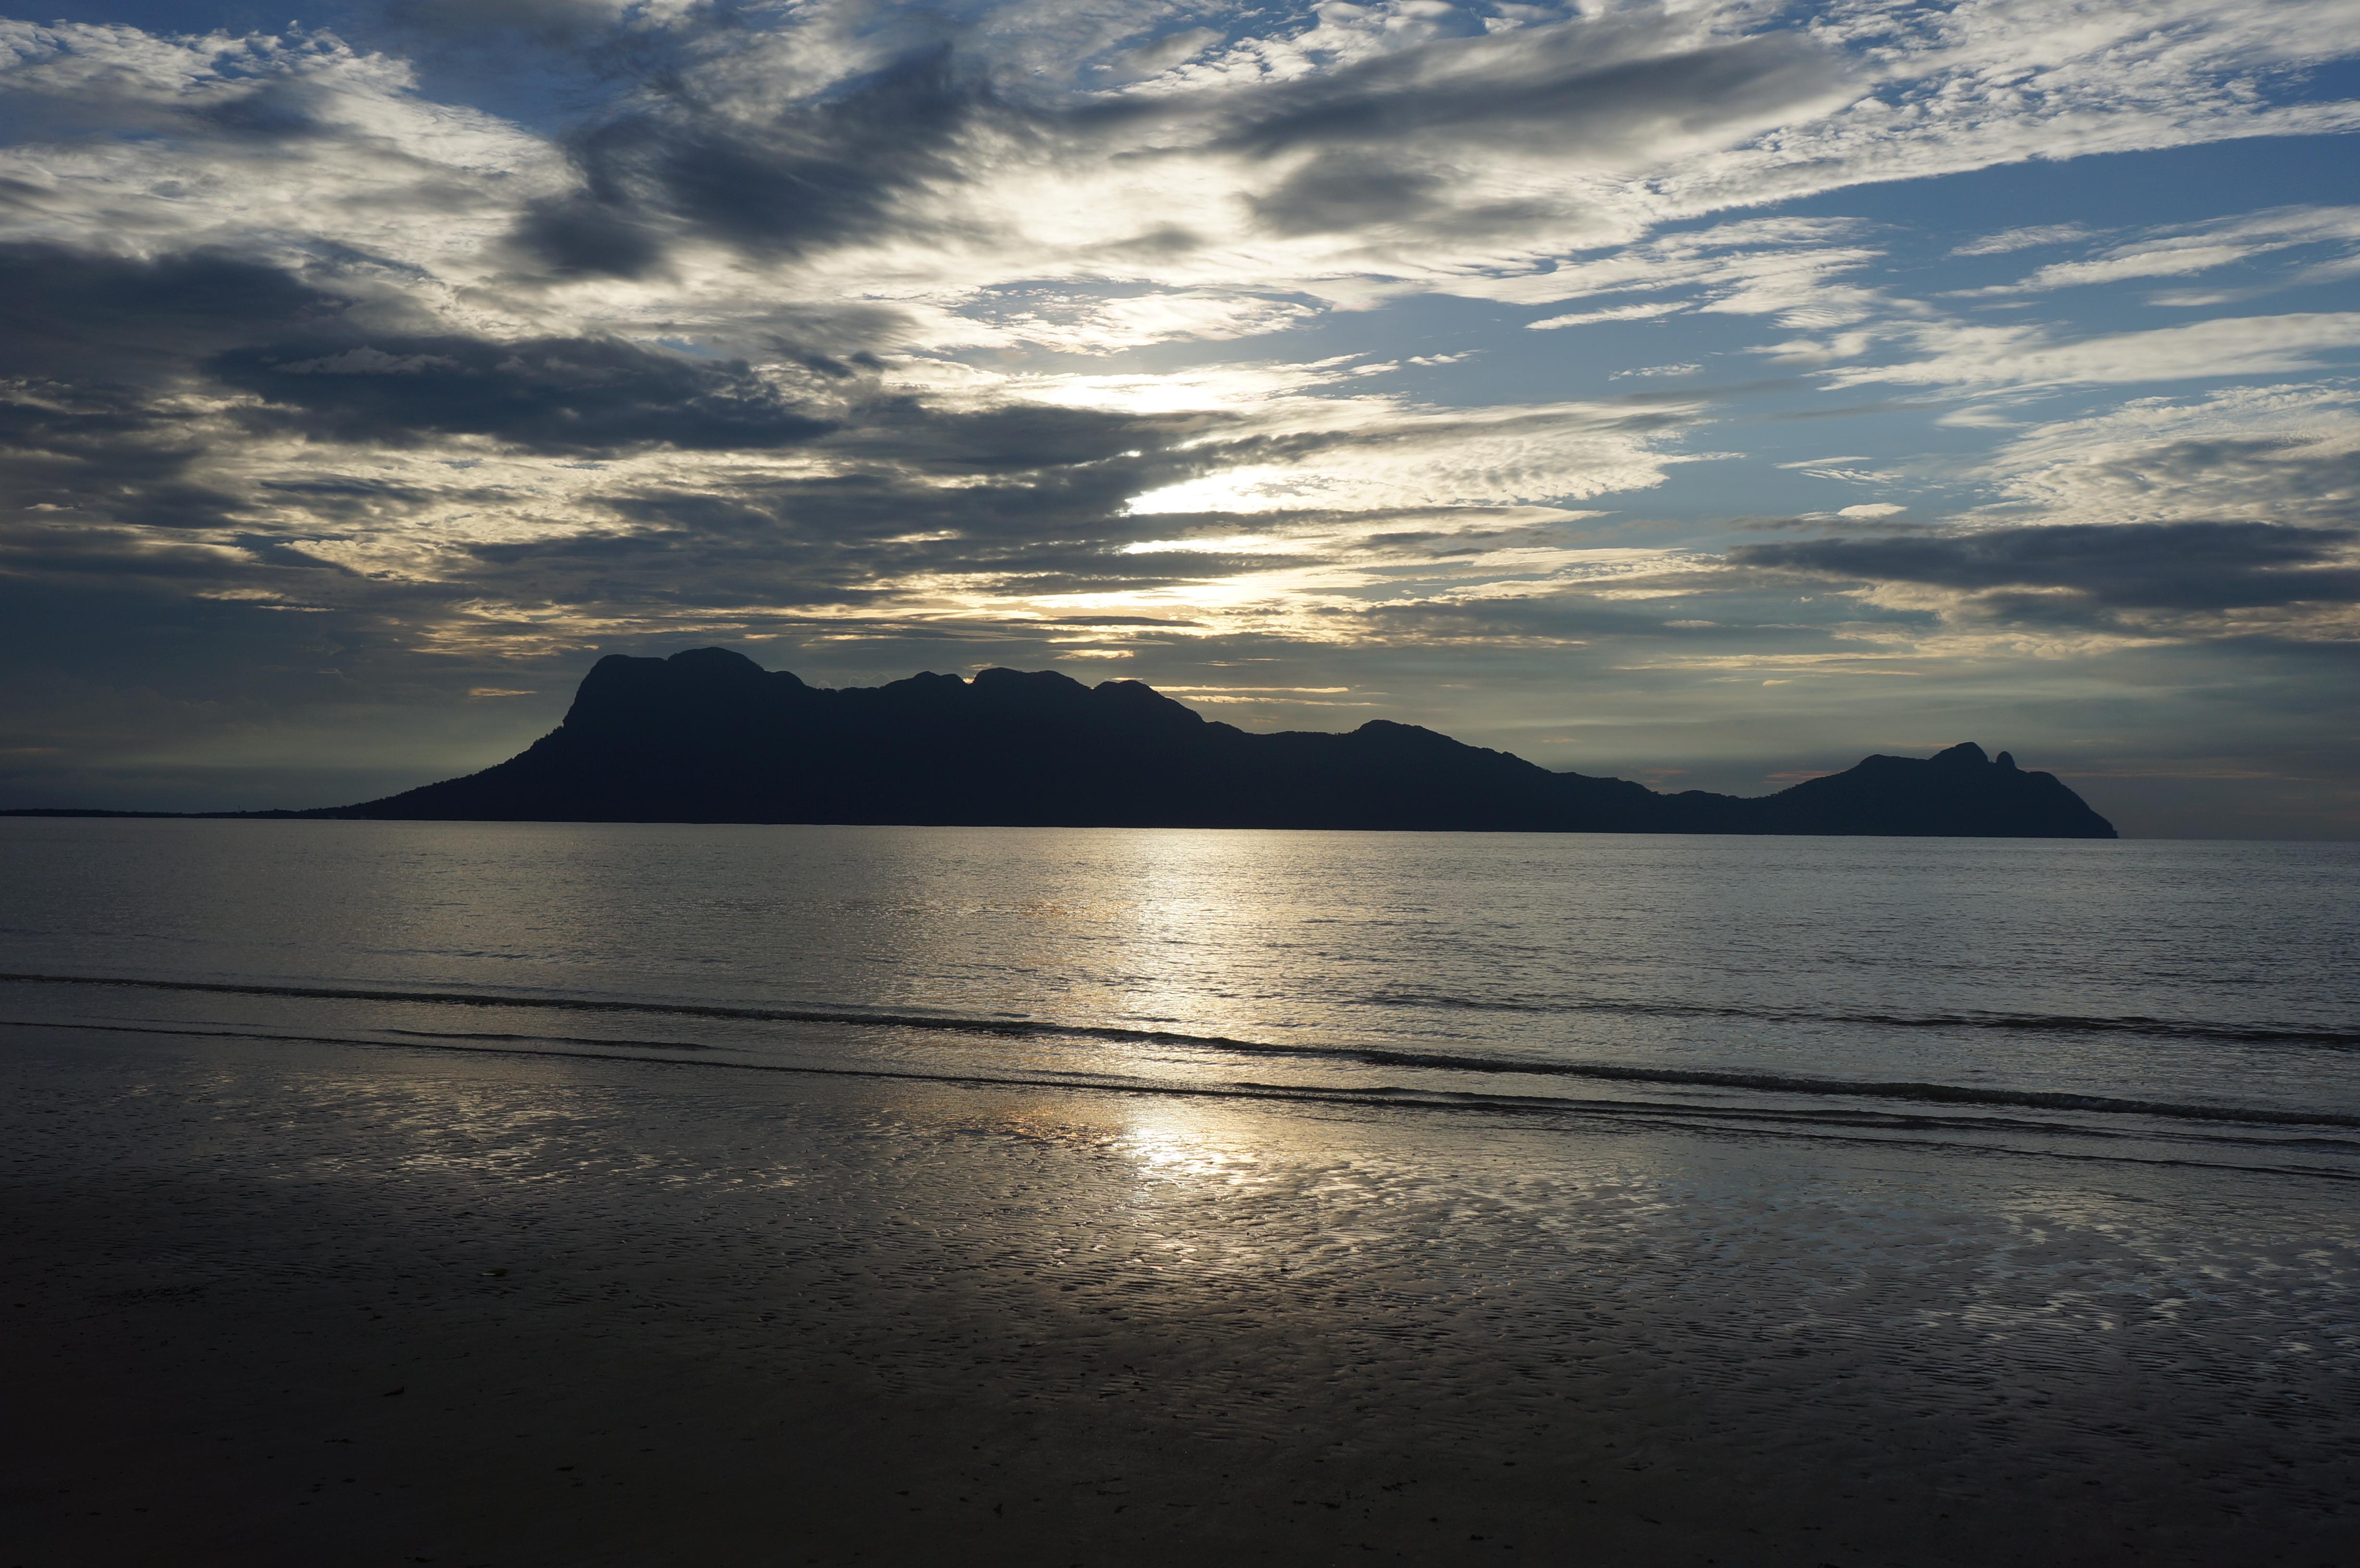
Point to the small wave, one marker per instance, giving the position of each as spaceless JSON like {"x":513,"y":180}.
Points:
{"x":1908,"y":1089}
{"x":611,"y":1040}
{"x":1824,"y":1124}
{"x":2017,"y":1023}
{"x":1012,"y":1026}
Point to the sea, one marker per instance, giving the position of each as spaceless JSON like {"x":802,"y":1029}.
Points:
{"x":1988,"y":1172}
{"x":2185,"y":1001}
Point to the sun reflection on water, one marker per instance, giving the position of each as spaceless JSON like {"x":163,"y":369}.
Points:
{"x":1165,"y":1147}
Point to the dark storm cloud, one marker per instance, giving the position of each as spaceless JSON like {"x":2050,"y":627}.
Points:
{"x":909,"y":432}
{"x":1547,"y":86}
{"x":1338,"y":191}
{"x":98,"y":355}
{"x":699,"y":554}
{"x":86,"y":341}
{"x":546,"y":22}
{"x":854,"y":530}
{"x":275,"y":111}
{"x":88,"y":344}
{"x":546,"y":395}
{"x":582,"y":237}
{"x":2196,"y":566}
{"x":75,"y":316}
{"x":816,"y":175}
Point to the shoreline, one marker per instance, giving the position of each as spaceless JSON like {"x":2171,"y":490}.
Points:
{"x":351,"y":814}
{"x":638,"y":1318}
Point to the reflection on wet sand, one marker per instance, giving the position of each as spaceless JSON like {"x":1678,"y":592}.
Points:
{"x":1417,"y":1333}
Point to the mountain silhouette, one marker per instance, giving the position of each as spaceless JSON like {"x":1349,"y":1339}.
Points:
{"x":710,"y":737}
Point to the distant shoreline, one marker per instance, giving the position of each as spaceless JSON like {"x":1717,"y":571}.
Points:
{"x":183,"y":816}
{"x":336,"y":815}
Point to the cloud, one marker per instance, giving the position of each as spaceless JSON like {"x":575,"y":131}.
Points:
{"x":2184,"y":578}
{"x":520,"y":493}
{"x":2202,"y":248}
{"x":1080,"y":322}
{"x":1750,"y":266}
{"x":1649,"y":312}
{"x":1377,"y":456}
{"x":72,"y":314}
{"x":545,"y":395}
{"x":294,"y":149}
{"x":829,"y":152}
{"x":1961,"y":355}
{"x":814,"y":175}
{"x":1609,"y":86}
{"x":1159,"y":55}
{"x":94,"y":351}
{"x":2029,"y":237}
{"x":2282,"y":453}
{"x":557,"y":23}
{"x":1423,"y":139}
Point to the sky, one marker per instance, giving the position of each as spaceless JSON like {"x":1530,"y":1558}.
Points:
{"x":1706,"y":393}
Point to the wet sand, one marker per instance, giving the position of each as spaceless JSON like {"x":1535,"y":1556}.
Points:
{"x":274,"y":1302}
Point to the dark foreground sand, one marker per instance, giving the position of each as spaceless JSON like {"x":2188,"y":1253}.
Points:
{"x":283,"y":1303}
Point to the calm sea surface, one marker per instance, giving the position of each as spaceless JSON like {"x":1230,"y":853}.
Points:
{"x":2187,"y":1001}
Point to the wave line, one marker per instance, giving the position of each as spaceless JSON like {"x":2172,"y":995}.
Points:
{"x":1830,"y":1127}
{"x":1372,"y":1056}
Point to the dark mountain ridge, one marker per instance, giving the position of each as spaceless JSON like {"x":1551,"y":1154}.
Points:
{"x":710,"y":737}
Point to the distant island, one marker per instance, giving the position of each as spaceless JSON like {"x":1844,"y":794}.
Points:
{"x":708,"y":735}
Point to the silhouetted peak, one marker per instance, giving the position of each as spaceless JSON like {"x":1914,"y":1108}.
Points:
{"x":997,"y":678}
{"x":715,"y":662}
{"x":1960,"y":756}
{"x":1397,"y":734}
{"x":1036,"y":694}
{"x":2006,"y":760}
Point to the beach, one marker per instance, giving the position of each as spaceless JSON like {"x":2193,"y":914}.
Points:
{"x":287,"y":1303}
